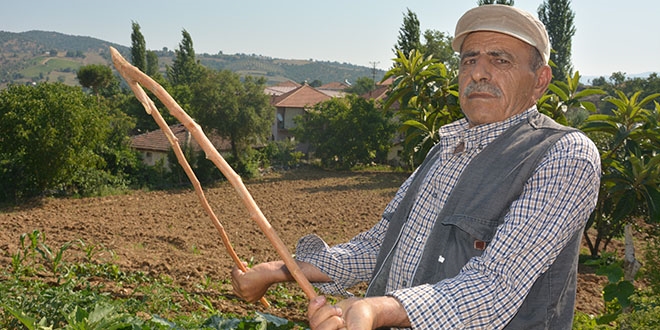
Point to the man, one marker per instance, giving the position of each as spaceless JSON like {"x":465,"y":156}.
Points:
{"x":486,"y":232}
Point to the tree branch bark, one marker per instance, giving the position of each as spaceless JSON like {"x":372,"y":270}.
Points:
{"x":134,"y":77}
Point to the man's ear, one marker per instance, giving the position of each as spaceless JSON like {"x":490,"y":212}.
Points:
{"x":543,"y":79}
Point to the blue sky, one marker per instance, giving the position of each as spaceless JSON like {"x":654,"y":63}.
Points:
{"x":612,"y":35}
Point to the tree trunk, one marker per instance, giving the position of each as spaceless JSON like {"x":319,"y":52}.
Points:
{"x":630,"y":265}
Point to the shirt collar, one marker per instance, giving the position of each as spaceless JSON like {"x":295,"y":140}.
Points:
{"x":482,"y":135}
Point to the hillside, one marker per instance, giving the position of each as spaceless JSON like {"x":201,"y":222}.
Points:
{"x":38,"y":56}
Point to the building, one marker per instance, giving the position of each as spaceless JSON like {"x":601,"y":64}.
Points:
{"x":292,"y":104}
{"x":154,"y":146}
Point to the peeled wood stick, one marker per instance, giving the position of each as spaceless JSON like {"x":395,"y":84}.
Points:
{"x":150,"y":107}
{"x":134,"y":76}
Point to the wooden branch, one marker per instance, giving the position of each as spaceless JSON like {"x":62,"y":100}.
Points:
{"x":134,"y":77}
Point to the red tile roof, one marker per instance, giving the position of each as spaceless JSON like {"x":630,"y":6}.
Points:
{"x":335,"y":86}
{"x":157,"y":141}
{"x":300,"y":97}
{"x":281,"y":88}
{"x":377,"y":94}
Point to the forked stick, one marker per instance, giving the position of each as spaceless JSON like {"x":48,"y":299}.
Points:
{"x":134,"y":77}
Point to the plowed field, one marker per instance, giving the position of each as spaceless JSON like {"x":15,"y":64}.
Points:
{"x":169,"y":233}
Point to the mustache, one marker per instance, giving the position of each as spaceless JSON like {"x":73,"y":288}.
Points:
{"x":482,"y":87}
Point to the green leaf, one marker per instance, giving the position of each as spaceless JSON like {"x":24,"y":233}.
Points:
{"x":613,"y":271}
{"x":560,"y":92}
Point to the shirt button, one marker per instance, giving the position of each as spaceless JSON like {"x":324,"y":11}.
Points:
{"x":418,"y":239}
{"x":405,"y":283}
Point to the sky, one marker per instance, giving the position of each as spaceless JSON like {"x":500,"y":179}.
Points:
{"x":612,"y":35}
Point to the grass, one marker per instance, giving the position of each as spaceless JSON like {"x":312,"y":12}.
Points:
{"x":42,"y":288}
{"x":44,"y":65}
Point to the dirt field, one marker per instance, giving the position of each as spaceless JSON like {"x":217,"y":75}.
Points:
{"x":169,"y":233}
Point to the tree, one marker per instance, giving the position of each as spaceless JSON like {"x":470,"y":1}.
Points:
{"x":628,"y":140}
{"x":558,"y":19}
{"x":52,"y":136}
{"x":363,"y":85}
{"x":96,"y":77}
{"x":138,"y":48}
{"x":409,"y":34}
{"x":344,"y":132}
{"x":185,"y":69}
{"x":438,"y":45}
{"x":427,"y":99}
{"x":239,"y":111}
{"x":499,"y":2}
{"x":152,"y":65}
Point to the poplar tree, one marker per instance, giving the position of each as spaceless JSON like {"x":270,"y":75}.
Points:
{"x":409,"y":35}
{"x":152,"y":64}
{"x":138,"y":48}
{"x":558,"y":19}
{"x":185,"y":68}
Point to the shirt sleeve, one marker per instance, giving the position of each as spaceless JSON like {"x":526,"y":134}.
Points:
{"x":555,"y":203}
{"x":350,"y":263}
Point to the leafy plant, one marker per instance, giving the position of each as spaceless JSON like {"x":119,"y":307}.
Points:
{"x":628,"y":140}
{"x":565,"y":100}
{"x":71,"y":301}
{"x":618,"y":292}
{"x":344,"y":132}
{"x":427,"y":99}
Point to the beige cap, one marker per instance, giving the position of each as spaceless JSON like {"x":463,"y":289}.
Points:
{"x":503,"y":19}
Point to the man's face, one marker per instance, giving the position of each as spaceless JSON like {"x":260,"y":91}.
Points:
{"x":495,"y":78}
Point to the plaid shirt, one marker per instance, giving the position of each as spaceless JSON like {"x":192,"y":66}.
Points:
{"x":555,"y":203}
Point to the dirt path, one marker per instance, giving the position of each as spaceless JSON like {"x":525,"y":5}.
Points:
{"x":169,"y":233}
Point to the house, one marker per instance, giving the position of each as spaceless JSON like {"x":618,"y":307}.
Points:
{"x":154,"y":146}
{"x":292,"y":104}
{"x":281,"y":88}
{"x":379,"y":93}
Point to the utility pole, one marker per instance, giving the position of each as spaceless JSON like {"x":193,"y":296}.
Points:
{"x":373,"y":72}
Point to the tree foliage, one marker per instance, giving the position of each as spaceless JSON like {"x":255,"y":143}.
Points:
{"x":96,"y":77}
{"x":409,"y":34}
{"x":427,"y":98}
{"x":239,"y":111}
{"x":558,"y":19}
{"x":438,"y":45}
{"x":362,"y":86}
{"x":138,"y":48}
{"x":344,"y":132}
{"x":52,"y":139}
{"x":152,"y":65}
{"x":628,"y":140}
{"x":185,"y":68}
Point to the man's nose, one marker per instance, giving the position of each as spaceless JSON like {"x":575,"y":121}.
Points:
{"x":481,"y":71}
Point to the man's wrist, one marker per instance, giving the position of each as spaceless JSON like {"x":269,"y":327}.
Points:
{"x":388,"y":312}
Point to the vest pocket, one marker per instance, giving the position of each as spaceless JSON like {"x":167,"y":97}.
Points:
{"x":453,"y":246}
{"x":469,"y":234}
{"x":481,"y":229}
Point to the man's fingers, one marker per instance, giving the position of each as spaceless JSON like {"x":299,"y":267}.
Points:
{"x":324,"y":316}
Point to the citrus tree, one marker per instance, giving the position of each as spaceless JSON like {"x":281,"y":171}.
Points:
{"x":344,"y":132}
{"x":53,"y":138}
{"x":424,"y":97}
{"x":629,"y":144}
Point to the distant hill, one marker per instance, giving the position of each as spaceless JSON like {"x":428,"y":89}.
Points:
{"x":37,"y":56}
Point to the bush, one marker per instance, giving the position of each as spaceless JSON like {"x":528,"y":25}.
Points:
{"x":55,"y":139}
{"x":281,"y":154}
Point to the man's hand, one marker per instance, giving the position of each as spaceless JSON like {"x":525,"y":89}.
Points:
{"x":356,"y":314}
{"x":252,"y":284}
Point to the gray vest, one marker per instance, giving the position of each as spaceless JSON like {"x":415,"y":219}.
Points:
{"x":473,"y":211}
